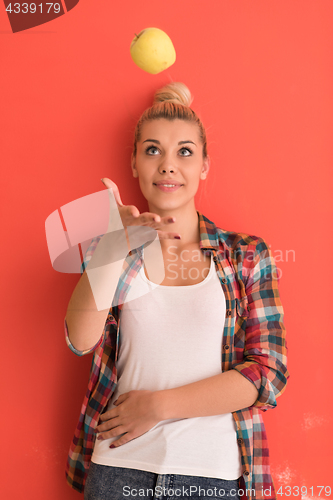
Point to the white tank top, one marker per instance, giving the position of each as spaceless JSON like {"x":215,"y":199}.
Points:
{"x":170,"y":337}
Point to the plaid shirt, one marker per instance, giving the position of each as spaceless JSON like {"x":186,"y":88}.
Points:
{"x":253,"y":343}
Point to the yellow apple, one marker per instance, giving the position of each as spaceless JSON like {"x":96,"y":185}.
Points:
{"x":152,"y":50}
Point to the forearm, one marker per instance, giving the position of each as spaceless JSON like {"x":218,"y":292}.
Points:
{"x":85,"y":323}
{"x":92,"y":297}
{"x":223,"y":393}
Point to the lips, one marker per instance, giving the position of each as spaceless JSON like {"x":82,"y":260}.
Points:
{"x":167,"y":181}
{"x":166,"y":189}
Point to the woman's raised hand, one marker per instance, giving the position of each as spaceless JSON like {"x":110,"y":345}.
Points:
{"x":130,"y":215}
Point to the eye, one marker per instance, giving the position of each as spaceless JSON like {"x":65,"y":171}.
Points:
{"x":189,"y":151}
{"x":149,"y":148}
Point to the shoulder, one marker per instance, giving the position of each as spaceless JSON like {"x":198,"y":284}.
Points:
{"x":234,"y":241}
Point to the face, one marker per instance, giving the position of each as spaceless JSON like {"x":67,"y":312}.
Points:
{"x":169,"y":151}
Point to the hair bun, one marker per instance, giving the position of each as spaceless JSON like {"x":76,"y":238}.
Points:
{"x":176,"y":92}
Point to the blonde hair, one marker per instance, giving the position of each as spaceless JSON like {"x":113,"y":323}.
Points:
{"x":171,"y":102}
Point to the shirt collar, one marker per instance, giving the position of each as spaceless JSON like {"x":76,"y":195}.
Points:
{"x":209,"y":237}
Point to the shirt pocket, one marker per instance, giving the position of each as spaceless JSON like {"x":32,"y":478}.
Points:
{"x":242,"y":307}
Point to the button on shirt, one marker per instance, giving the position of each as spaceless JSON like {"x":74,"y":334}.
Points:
{"x":253,"y":343}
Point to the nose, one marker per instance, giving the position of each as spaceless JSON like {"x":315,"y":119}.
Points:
{"x":166,"y":169}
{"x":167,"y":165}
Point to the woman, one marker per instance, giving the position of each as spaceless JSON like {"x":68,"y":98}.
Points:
{"x":176,"y":393}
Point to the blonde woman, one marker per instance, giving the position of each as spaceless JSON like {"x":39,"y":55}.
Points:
{"x":182,"y":369}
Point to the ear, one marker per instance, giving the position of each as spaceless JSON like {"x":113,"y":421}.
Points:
{"x":134,"y":170}
{"x":205,"y":168}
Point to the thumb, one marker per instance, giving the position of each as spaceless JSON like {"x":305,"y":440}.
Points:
{"x":112,"y":185}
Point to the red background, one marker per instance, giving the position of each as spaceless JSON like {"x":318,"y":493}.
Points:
{"x":261,"y":75}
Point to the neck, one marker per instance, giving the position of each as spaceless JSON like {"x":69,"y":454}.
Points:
{"x":187,"y":225}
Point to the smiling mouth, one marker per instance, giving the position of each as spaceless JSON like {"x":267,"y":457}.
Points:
{"x":168,"y":188}
{"x":169,"y":185}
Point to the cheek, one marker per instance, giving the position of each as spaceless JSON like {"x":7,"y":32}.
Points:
{"x":146,"y":187}
{"x":142,"y":184}
{"x":193,"y":182}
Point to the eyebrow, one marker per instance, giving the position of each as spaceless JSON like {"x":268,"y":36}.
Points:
{"x":158,"y":142}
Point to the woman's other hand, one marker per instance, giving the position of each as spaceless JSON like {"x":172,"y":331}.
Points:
{"x":135,"y":414}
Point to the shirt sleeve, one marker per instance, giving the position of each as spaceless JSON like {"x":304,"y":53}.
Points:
{"x":76,"y":351}
{"x":89,"y":253}
{"x":265,"y":349}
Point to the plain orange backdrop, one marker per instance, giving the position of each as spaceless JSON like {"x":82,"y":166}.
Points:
{"x":261,"y":75}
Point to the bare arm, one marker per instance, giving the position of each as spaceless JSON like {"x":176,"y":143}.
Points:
{"x":223,"y":393}
{"x":85,"y":325}
{"x":85,"y":317}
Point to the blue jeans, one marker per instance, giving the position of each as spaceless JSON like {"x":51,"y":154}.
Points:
{"x":119,"y":483}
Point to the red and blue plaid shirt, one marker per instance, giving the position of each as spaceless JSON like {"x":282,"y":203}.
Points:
{"x":253,"y":343}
